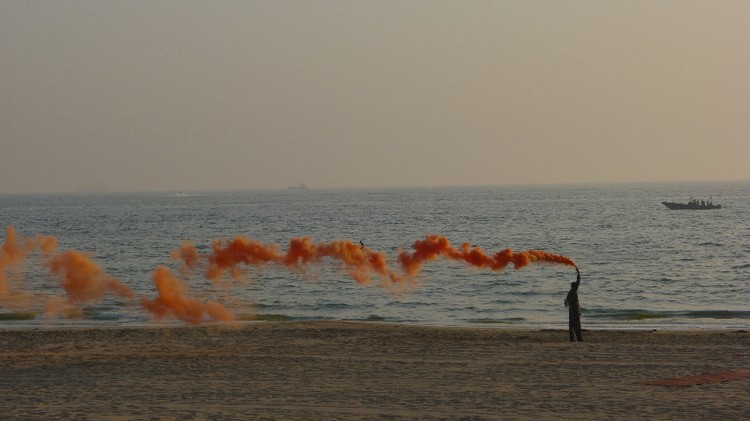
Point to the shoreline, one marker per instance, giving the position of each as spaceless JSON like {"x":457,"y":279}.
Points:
{"x":370,"y":370}
{"x":38,"y":324}
{"x":240,"y":325}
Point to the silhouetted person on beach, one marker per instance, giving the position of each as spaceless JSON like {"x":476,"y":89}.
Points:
{"x":574,"y":310}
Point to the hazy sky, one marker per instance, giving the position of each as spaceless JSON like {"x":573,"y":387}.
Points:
{"x":193,"y":95}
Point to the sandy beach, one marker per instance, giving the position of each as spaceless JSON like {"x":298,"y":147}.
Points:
{"x":341,"y":370}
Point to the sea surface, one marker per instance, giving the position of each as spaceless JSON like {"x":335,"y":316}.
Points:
{"x":643,"y":266}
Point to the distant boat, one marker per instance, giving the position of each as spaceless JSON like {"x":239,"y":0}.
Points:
{"x":181,"y":194}
{"x":302,"y":186}
{"x":693,"y":204}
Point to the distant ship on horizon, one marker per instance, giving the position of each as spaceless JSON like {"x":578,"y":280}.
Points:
{"x":302,"y":186}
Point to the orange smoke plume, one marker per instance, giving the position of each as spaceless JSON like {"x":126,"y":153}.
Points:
{"x":524,"y":258}
{"x":425,"y":250}
{"x":434,"y":246}
{"x":47,"y":244}
{"x":14,"y":251}
{"x":83,"y":280}
{"x":359,"y":261}
{"x":188,"y":255}
{"x":11,"y":254}
{"x":172,"y":298}
{"x":240,"y":250}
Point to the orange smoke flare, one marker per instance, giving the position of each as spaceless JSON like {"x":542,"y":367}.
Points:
{"x":360,"y":262}
{"x":83,"y":280}
{"x":172,"y":298}
{"x":434,"y":246}
{"x":539,"y":256}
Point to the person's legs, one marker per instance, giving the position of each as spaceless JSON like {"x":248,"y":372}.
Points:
{"x":571,"y":330}
{"x":579,"y":337}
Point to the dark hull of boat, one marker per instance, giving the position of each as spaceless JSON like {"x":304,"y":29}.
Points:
{"x":690,"y":206}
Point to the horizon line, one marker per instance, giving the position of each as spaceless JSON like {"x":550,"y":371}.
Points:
{"x":104,"y":190}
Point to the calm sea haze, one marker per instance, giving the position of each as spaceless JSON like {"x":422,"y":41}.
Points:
{"x":644,"y":266}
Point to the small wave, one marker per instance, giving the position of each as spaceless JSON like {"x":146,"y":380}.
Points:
{"x":629,"y":315}
{"x":410,"y":304}
{"x":639,"y":314}
{"x":486,"y":320}
{"x":317,"y":306}
{"x":333,"y":306}
{"x":181,"y":194}
{"x":99,"y":313}
{"x":483,"y":321}
{"x":717,"y":314}
{"x":18,"y":316}
{"x":502,"y":302}
{"x":265,"y":317}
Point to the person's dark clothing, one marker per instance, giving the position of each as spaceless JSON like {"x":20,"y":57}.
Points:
{"x":574,"y":311}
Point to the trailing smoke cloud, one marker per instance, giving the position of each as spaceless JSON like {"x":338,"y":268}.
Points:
{"x":173,"y":298}
{"x":85,"y":282}
{"x":360,"y":262}
{"x":13,"y":252}
{"x":228,"y":256}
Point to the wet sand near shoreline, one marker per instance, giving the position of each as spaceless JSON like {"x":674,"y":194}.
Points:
{"x":353,"y":370}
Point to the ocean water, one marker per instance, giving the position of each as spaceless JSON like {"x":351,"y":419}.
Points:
{"x":643,"y":266}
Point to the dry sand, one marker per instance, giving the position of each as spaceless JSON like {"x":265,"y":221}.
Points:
{"x":338,"y":370}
